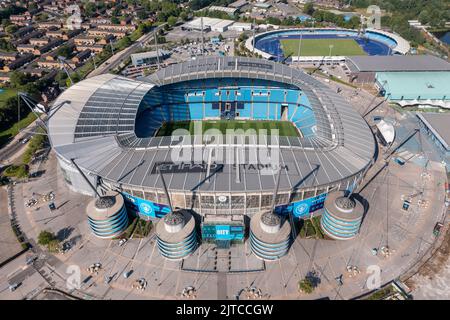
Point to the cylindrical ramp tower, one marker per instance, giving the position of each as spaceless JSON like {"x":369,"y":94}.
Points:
{"x":269,"y":237}
{"x":176,"y":236}
{"x":107,"y":215}
{"x":342,"y":216}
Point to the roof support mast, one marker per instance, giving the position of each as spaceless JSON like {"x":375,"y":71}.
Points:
{"x":165,"y":189}
{"x":156,"y":46}
{"x":85,"y":178}
{"x":277,"y":186}
{"x":203,"y":37}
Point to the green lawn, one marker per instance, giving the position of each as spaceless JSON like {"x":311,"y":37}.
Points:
{"x":310,"y":228}
{"x":321,"y":47}
{"x":5,"y":94}
{"x":286,"y":128}
{"x":11,"y":132}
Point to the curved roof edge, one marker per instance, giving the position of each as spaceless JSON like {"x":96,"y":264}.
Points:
{"x":68,"y":106}
{"x":402,"y":46}
{"x":106,"y":99}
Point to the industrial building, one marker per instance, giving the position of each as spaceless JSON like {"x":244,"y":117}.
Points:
{"x":241,"y":26}
{"x":363,"y":69}
{"x":147,"y":58}
{"x":415,"y":88}
{"x":208,"y":24}
{"x":216,"y":25}
{"x":230,"y":10}
{"x":406,"y":80}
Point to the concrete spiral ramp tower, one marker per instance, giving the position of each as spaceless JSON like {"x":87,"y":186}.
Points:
{"x":270,"y":237}
{"x":342,"y":216}
{"x":107,"y":215}
{"x":176,"y":236}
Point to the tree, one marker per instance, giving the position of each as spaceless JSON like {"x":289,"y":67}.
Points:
{"x":42,"y":16}
{"x":124,"y":42}
{"x":308,"y":8}
{"x":306,"y":285}
{"x":64,"y":51}
{"x":142,"y":14}
{"x":172,"y":21}
{"x":61,"y":77}
{"x":6,"y":45}
{"x":45,"y":237}
{"x":53,"y":246}
{"x":8,"y":112}
{"x":90,"y":9}
{"x":184,"y":15}
{"x":18,"y":79}
{"x":18,"y":171}
{"x":115,"y":20}
{"x":11,"y":29}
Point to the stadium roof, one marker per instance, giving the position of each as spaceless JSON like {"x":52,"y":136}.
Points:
{"x":397,"y":63}
{"x":93,"y":122}
{"x":438,"y":123}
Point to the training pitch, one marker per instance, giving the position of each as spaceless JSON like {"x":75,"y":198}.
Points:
{"x":321,"y":47}
{"x":286,"y":128}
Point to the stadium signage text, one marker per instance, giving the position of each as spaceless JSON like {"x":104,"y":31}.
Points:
{"x":250,"y":64}
{"x":183,"y":167}
{"x":192,"y":167}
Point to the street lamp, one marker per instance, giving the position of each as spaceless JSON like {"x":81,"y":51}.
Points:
{"x":93,"y":59}
{"x":331,"y":47}
{"x":299,"y":46}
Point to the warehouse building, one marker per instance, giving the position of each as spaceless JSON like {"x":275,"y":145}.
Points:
{"x":209,"y":24}
{"x":147,"y":58}
{"x":363,"y":69}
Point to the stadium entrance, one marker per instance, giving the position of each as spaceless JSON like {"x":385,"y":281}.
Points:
{"x":223,"y":244}
{"x":223,"y":230}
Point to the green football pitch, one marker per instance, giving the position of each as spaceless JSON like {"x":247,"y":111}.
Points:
{"x":321,"y":47}
{"x":286,"y":128}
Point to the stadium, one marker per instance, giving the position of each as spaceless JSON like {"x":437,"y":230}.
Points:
{"x":118,"y":131}
{"x":314,"y":43}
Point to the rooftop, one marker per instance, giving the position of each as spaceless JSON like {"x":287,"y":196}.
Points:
{"x":439,"y":124}
{"x":397,"y":63}
{"x":94,"y":127}
{"x":418,"y":86}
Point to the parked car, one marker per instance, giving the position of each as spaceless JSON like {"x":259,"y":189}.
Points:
{"x":437,"y":229}
{"x":13,"y":287}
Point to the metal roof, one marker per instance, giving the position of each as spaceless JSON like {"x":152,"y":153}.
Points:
{"x":418,"y":86}
{"x":95,"y":125}
{"x":438,"y":123}
{"x":397,"y":63}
